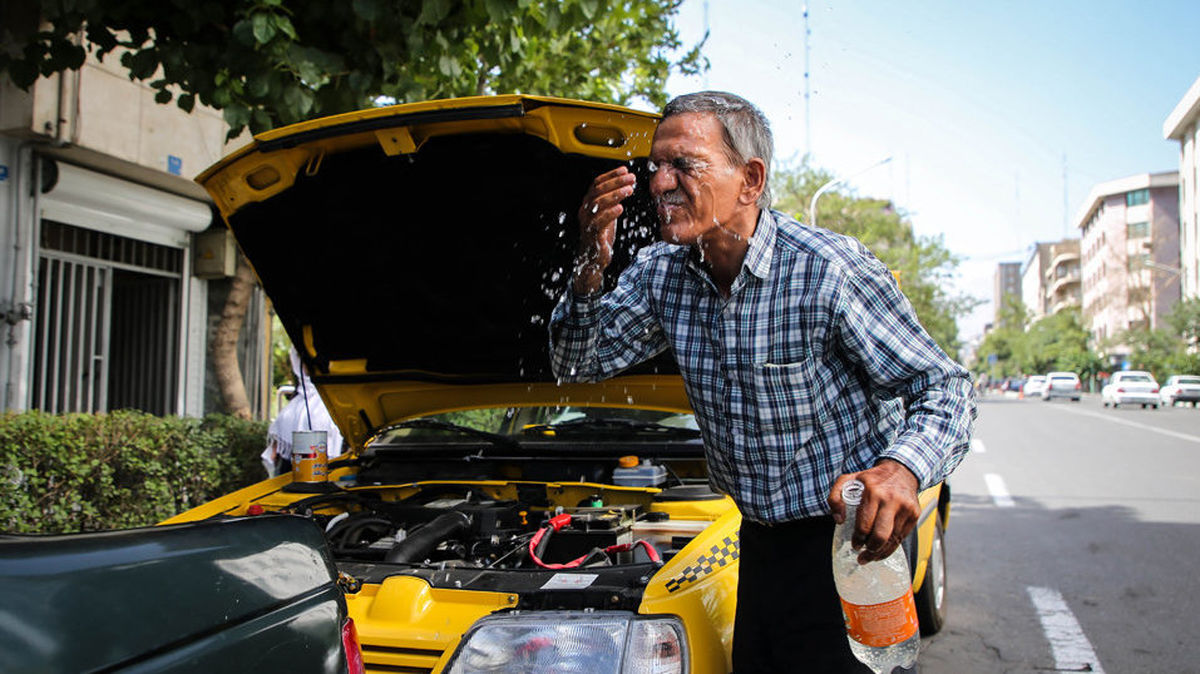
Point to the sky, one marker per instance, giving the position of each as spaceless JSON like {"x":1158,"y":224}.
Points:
{"x":999,"y":117}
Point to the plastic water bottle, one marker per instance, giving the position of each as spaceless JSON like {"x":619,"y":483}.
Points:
{"x":877,"y":598}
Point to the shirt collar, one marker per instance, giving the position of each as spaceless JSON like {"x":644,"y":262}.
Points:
{"x":762,"y":246}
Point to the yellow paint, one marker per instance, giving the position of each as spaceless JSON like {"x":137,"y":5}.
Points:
{"x":403,"y":622}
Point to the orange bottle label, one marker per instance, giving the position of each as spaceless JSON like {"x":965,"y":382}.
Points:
{"x":881,"y":625}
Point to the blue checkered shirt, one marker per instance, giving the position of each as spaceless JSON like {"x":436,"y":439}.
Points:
{"x":799,"y":376}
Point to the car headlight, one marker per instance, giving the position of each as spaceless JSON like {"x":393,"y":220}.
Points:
{"x":566,"y":642}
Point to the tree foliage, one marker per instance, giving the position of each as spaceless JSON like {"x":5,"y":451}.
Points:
{"x":267,"y":63}
{"x":926,"y":268}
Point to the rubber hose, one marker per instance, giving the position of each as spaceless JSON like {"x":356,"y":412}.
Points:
{"x":421,"y":542}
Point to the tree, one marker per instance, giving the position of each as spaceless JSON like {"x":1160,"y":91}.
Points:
{"x":925,"y":267}
{"x":1059,"y":342}
{"x":1006,"y":341}
{"x":265,"y":63}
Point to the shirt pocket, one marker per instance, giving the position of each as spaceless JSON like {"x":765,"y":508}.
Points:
{"x":786,"y":404}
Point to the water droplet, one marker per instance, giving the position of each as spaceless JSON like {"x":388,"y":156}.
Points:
{"x":562,"y":217}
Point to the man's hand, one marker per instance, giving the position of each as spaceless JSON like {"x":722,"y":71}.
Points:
{"x":888,"y":512}
{"x":598,"y":227}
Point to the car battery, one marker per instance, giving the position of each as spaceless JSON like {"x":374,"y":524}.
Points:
{"x":591,"y":528}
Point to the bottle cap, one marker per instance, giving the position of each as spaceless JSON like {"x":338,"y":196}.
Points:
{"x":627,"y":461}
{"x":852,"y":492}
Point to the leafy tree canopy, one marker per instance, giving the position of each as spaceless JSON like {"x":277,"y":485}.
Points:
{"x":926,"y":268}
{"x":267,"y":63}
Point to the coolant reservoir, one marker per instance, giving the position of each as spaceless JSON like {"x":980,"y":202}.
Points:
{"x":644,"y":474}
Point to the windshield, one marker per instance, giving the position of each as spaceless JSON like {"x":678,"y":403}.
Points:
{"x":532,"y":423}
{"x":1135,"y":378}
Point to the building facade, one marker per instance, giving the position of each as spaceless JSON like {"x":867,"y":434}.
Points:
{"x":1050,"y":279}
{"x":1062,"y":277}
{"x":104,"y":305}
{"x":1007,"y":283}
{"x":1183,"y":125}
{"x":1033,"y":281}
{"x":1129,"y":250}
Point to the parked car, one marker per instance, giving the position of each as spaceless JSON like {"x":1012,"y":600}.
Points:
{"x":1062,"y":385}
{"x":239,"y":595}
{"x":1131,"y":387}
{"x":1180,"y":388}
{"x":487,"y":516}
{"x":1034,"y":386}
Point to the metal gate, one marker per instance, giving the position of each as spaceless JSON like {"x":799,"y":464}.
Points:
{"x":71,"y":363}
{"x":107,"y":323}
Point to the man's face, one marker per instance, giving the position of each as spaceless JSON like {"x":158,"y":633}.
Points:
{"x":694,"y":186}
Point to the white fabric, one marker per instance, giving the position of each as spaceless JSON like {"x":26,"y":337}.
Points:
{"x":295,"y":417}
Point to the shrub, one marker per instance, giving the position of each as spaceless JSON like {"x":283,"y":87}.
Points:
{"x":85,"y":472}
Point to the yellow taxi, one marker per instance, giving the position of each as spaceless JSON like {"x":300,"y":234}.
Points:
{"x":488,"y":518}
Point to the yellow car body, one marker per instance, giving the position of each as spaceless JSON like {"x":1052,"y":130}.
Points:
{"x":295,"y":199}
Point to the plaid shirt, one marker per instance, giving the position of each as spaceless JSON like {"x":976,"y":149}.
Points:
{"x":797,"y":377}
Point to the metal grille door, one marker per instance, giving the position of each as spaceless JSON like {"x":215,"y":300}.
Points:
{"x":71,"y":360}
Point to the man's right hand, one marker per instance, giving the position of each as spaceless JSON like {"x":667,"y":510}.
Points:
{"x":598,"y":227}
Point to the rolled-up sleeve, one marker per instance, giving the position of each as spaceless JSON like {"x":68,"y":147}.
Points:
{"x":878,"y":330}
{"x":593,"y":337}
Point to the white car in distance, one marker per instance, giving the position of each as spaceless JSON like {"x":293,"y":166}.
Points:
{"x":1062,"y":385}
{"x":1180,"y":388}
{"x":1131,"y":387}
{"x":1033,"y":386}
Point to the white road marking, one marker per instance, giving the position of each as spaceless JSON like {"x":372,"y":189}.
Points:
{"x":1000,"y":495}
{"x":1133,"y":424}
{"x":977,"y":446}
{"x":1070,"y":646}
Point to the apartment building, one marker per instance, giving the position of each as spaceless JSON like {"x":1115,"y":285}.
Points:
{"x":1050,"y":278}
{"x":1183,"y":125}
{"x":1033,"y":282}
{"x":1063,"y":276}
{"x":108,"y":289}
{"x":1007,"y":283}
{"x":1129,"y":255}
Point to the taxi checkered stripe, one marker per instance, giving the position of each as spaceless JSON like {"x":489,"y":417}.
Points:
{"x":719,"y":555}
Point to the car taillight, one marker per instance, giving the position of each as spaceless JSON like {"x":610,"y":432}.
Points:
{"x":1078,"y":386}
{"x":354,"y":658}
{"x":1120,"y":389}
{"x":1154,"y":390}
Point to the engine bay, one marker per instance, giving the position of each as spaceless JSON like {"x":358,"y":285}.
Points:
{"x":501,"y":526}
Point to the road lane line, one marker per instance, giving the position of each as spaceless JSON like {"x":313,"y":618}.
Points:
{"x":1000,"y":495}
{"x":1070,"y":646}
{"x":1134,"y":424}
{"x":977,"y":446}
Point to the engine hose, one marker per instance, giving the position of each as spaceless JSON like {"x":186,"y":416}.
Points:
{"x":417,"y":546}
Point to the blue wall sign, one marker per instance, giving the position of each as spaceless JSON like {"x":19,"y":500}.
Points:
{"x":174,"y":165}
{"x":3,"y":172}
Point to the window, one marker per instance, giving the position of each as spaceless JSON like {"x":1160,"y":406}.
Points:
{"x":1138,"y":230}
{"x":1139,"y":261}
{"x":1137,"y":197}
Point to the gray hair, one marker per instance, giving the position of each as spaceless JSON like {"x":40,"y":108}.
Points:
{"x":747,"y":131}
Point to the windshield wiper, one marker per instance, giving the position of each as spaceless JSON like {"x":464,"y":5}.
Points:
{"x":614,"y":425}
{"x":432,"y":424}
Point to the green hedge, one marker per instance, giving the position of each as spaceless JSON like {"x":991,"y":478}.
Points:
{"x":85,"y":472}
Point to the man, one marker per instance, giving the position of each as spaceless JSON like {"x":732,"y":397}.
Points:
{"x":805,"y":366}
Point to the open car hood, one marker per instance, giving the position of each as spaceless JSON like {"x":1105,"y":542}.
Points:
{"x":414,"y":253}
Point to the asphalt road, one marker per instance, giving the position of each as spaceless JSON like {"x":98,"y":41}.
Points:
{"x":1074,"y":542}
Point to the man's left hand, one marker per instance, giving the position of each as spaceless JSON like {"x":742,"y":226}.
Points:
{"x":888,"y":512}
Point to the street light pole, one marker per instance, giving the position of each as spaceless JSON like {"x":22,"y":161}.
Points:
{"x":812,"y":205}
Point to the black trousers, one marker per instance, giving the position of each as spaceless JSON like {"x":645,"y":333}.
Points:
{"x":789,"y":618}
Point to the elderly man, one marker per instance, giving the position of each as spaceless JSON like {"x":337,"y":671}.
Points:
{"x":804,"y":363}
